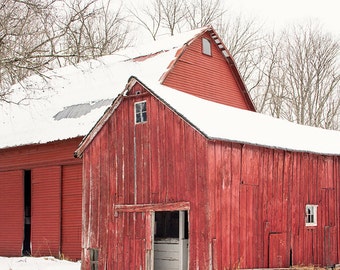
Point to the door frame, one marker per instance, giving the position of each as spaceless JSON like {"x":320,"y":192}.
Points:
{"x":149,"y":210}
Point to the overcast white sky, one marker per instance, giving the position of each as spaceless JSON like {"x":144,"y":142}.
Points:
{"x":281,"y":12}
{"x":278,"y":13}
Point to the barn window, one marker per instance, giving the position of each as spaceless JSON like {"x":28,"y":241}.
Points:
{"x":140,"y":112}
{"x":311,"y":215}
{"x":206,"y":46}
{"x":94,"y":258}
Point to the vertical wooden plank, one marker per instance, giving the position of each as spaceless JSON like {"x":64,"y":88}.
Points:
{"x":212,"y":182}
{"x":105,"y":206}
{"x":203,"y":236}
{"x":265,"y":197}
{"x":155,"y":147}
{"x":169,"y":156}
{"x":182,"y":182}
{"x":243,"y":226}
{"x":86,"y":207}
{"x":223,"y":182}
{"x":287,"y":187}
{"x":94,"y":190}
{"x":162,"y":171}
{"x":235,"y":209}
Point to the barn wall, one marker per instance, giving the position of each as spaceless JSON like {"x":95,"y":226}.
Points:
{"x":246,"y":211}
{"x":260,"y":196}
{"x":56,"y":178}
{"x":208,"y":77}
{"x":161,"y":158}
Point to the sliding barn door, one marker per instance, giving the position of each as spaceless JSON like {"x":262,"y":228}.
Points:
{"x":45,"y":213}
{"x":11,"y":213}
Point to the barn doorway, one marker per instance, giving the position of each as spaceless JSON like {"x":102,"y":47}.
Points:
{"x":26,"y":247}
{"x":171,"y":240}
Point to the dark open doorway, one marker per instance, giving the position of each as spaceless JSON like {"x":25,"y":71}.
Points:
{"x":26,"y":247}
{"x":171,"y":240}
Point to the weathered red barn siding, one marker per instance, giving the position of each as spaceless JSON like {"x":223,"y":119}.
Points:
{"x":162,"y":176}
{"x":208,"y":77}
{"x":246,"y":203}
{"x":260,"y":196}
{"x":56,"y":179}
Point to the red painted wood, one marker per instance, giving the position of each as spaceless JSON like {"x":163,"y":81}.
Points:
{"x":246,"y":203}
{"x":208,"y":77}
{"x":46,"y":211}
{"x":40,"y":158}
{"x":49,"y":154}
{"x":71,"y":211}
{"x":11,"y":213}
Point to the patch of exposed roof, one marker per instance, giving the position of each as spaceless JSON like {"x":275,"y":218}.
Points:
{"x":78,"y":110}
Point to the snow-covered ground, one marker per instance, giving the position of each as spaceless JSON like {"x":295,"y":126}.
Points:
{"x":32,"y":263}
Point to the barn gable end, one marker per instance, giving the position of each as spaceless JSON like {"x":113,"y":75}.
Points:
{"x":212,"y":76}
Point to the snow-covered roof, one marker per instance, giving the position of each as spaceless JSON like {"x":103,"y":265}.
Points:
{"x":221,"y":122}
{"x":68,"y":101}
{"x":75,"y":97}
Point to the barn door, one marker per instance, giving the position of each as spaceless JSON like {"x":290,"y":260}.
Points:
{"x":11,"y":213}
{"x":71,"y":212}
{"x":170,"y":240}
{"x":278,"y":256}
{"x":45,"y":211}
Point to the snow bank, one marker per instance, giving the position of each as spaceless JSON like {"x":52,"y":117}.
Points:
{"x":31,"y":263}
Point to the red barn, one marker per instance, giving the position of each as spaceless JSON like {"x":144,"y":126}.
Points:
{"x":184,"y":180}
{"x":40,"y":195}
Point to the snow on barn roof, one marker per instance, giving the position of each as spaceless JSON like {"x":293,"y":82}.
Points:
{"x":221,"y":122}
{"x":69,"y":100}
{"x":75,"y":97}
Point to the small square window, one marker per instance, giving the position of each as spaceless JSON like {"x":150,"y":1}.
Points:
{"x":311,"y":215}
{"x":140,"y":112}
{"x":206,"y":46}
{"x":94,"y":258}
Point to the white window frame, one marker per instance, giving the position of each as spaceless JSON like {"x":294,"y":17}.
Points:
{"x":143,"y":114}
{"x":206,"y":46}
{"x":311,"y":211}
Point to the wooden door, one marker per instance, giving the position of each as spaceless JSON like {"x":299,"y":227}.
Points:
{"x":278,"y":257}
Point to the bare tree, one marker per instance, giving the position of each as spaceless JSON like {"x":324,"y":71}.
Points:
{"x":92,"y":30}
{"x":302,"y":80}
{"x":200,"y":13}
{"x":171,"y":16}
{"x":244,"y":39}
{"x":148,"y":17}
{"x":24,"y":46}
{"x":35,"y":35}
